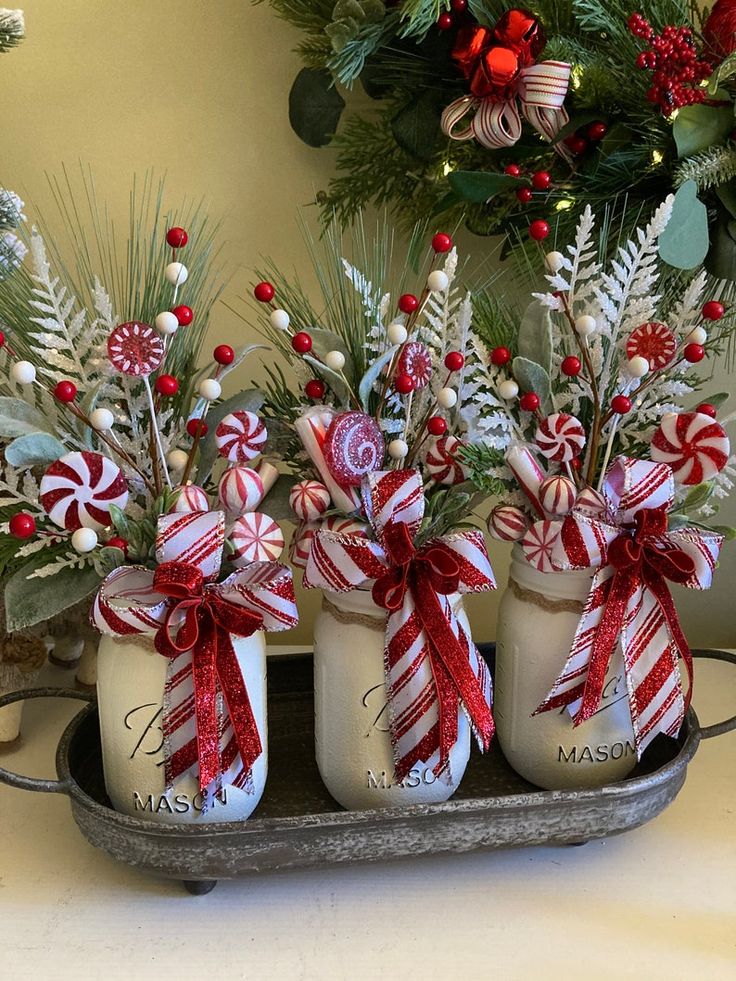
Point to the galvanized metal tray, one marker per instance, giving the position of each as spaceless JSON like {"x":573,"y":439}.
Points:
{"x":297,"y":824}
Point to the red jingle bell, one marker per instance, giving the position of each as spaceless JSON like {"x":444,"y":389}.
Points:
{"x":522,"y":32}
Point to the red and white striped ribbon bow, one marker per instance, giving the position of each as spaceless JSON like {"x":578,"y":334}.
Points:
{"x":626,"y":540}
{"x":496,"y":122}
{"x":208,"y":723}
{"x":431,"y":664}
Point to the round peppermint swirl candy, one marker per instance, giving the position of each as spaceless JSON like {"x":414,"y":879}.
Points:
{"x":557,"y":495}
{"x":507,"y":523}
{"x":241,"y":436}
{"x":442,"y":461}
{"x":416,"y":362}
{"x":77,"y":490}
{"x":135,"y":349}
{"x":652,"y":341}
{"x":309,"y":499}
{"x":694,"y":445}
{"x":255,"y":538}
{"x":354,"y":446}
{"x":301,"y":543}
{"x":538,"y":542}
{"x":560,"y":437}
{"x":191,"y":498}
{"x":240,"y":490}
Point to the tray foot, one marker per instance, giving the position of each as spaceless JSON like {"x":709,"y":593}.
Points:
{"x":199,"y":887}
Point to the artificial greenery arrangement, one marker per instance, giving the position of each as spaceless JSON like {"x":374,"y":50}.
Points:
{"x":503,"y":116}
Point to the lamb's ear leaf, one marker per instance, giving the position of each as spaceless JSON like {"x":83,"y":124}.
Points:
{"x":535,"y":335}
{"x":532,"y":377}
{"x":31,"y":601}
{"x":33,"y":450}
{"x":18,"y":418}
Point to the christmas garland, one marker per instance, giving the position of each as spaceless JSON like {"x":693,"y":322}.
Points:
{"x":502,"y":117}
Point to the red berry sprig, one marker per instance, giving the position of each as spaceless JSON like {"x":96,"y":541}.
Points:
{"x":197,"y":428}
{"x":166,"y":385}
{"x":22,"y":525}
{"x":441,"y":242}
{"x":673,"y":59}
{"x":184,"y":314}
{"x":177,"y":237}
{"x":65,"y":391}
{"x":315,"y":389}
{"x":223,"y":354}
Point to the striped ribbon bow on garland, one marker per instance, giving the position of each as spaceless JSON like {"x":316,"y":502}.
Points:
{"x":626,"y":540}
{"x":501,"y":68}
{"x":208,"y":721}
{"x":431,"y":664}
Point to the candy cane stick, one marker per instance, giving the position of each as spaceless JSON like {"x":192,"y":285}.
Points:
{"x":528,"y":473}
{"x":156,"y":433}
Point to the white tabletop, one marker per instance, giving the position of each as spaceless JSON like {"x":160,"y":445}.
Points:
{"x":658,"y":902}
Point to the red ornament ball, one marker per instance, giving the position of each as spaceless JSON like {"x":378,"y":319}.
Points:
{"x":197,"y":427}
{"x":571,"y":366}
{"x":444,"y":21}
{"x":22,"y":525}
{"x":524,"y":194}
{"x":694,"y":353}
{"x":596,"y":131}
{"x":166,"y":385}
{"x":223,"y":354}
{"x":513,"y":170}
{"x":441,"y":242}
{"x":576,"y":145}
{"x":403,"y":384}
{"x":264,"y":292}
{"x":315,"y":389}
{"x":65,"y":391}
{"x":539,"y":230}
{"x":500,"y":356}
{"x":408,"y":303}
{"x":529,"y":402}
{"x":542,"y":180}
{"x":302,"y":342}
{"x":436,"y":426}
{"x":621,"y":404}
{"x":706,"y":409}
{"x":713,"y":310}
{"x":454,"y":360}
{"x":177,"y":237}
{"x":184,"y":314}
{"x":118,"y":542}
{"x":459,"y":6}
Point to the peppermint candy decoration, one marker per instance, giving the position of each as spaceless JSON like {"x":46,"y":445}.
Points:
{"x":135,"y":349}
{"x":301,"y":543}
{"x":255,"y":538}
{"x":353,"y":447}
{"x":240,"y":490}
{"x":191,"y":498}
{"x":240,"y":436}
{"x":557,"y":495}
{"x":309,"y":499}
{"x":77,"y":490}
{"x":442,"y":462}
{"x":694,"y":445}
{"x":538,"y":543}
{"x":652,"y":341}
{"x":416,"y":362}
{"x":507,"y":523}
{"x":560,"y":437}
{"x":592,"y":501}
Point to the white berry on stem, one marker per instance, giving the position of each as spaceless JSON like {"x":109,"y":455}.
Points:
{"x":698,"y":335}
{"x":397,"y":333}
{"x":210,"y":389}
{"x":167,"y":323}
{"x":508,"y":389}
{"x":176,"y":273}
{"x":335,"y":360}
{"x":101,"y":420}
{"x":585,"y":325}
{"x":554,"y":261}
{"x":437,"y":281}
{"x":398,"y":449}
{"x":280,"y":319}
{"x":447,"y":398}
{"x":23,"y":373}
{"x":84,"y":540}
{"x":638,"y":366}
{"x":177,"y":459}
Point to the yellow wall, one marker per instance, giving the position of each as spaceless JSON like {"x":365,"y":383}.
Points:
{"x":199,"y":90}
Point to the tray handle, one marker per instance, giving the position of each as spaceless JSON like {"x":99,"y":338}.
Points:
{"x":718,"y":729}
{"x":34,"y":783}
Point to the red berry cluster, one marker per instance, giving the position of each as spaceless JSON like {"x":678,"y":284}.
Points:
{"x":672,"y":57}
{"x":579,"y":141}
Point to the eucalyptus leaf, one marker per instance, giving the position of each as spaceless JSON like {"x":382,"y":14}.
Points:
{"x":535,"y":335}
{"x":249,"y":400}
{"x":478,"y":186}
{"x":697,"y":497}
{"x":120,"y":521}
{"x":276,"y":502}
{"x":17,"y":418}
{"x":31,"y":601}
{"x":315,"y":106}
{"x":333,"y":378}
{"x":719,"y":399}
{"x":111,"y":558}
{"x":371,"y":376}
{"x":324,"y":340}
{"x":684,"y":242}
{"x":721,"y":259}
{"x":699,"y":127}
{"x":416,"y":127}
{"x":240,"y":355}
{"x":33,"y":450}
{"x":727,"y":531}
{"x":532,"y":377}
{"x":87,"y":406}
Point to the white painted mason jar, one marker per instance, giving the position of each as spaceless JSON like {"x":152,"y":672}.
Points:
{"x":537,"y":619}
{"x":352,"y":737}
{"x":130,"y":684}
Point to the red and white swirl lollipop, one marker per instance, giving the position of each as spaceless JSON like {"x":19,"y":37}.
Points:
{"x":443,"y":463}
{"x":416,"y":362}
{"x":240,"y":436}
{"x":538,"y":542}
{"x":135,"y":349}
{"x":694,"y":445}
{"x":240,"y":490}
{"x":309,"y":499}
{"x":354,"y":446}
{"x":77,"y":490}
{"x":255,"y":538}
{"x":557,"y":495}
{"x":652,"y":341}
{"x":191,"y":498}
{"x":507,"y":523}
{"x":560,"y":437}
